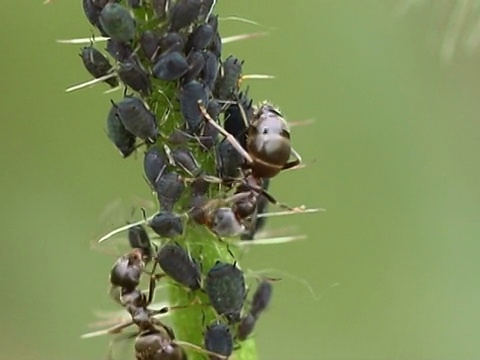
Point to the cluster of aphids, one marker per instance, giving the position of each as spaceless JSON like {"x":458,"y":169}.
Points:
{"x":179,"y":96}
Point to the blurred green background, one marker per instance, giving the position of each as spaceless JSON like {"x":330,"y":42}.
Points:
{"x":393,"y":157}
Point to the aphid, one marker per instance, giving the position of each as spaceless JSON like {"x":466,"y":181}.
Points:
{"x":246,"y":326}
{"x":123,"y":140}
{"x":153,"y":164}
{"x":177,"y":264}
{"x":167,"y":224}
{"x":169,"y":188}
{"x":183,"y":13}
{"x":196,"y":62}
{"x":261,"y":298}
{"x":127,"y":270}
{"x":159,"y":7}
{"x":218,"y":339}
{"x":185,"y":159}
{"x":201,"y":37}
{"x":117,"y":22}
{"x":216,"y":45}
{"x":97,"y":64}
{"x":139,"y":239}
{"x":92,"y":12}
{"x":236,"y":118}
{"x":190,"y":95}
{"x":229,"y":81}
{"x":150,"y":43}
{"x":209,"y":134}
{"x":170,"y":66}
{"x":137,"y":119}
{"x":134,"y":76}
{"x":210,"y":69}
{"x":172,"y":41}
{"x":119,"y":50}
{"x":229,"y":161}
{"x":225,"y":287}
{"x":101,"y":3}
{"x":134,"y":3}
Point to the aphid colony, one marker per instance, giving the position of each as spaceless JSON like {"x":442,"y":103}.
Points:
{"x":182,"y":101}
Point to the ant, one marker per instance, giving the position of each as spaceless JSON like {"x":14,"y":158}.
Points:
{"x":267,"y":150}
{"x":154,"y":340}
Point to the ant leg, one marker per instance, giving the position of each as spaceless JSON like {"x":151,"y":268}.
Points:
{"x":200,"y":349}
{"x":231,"y":139}
{"x":272,"y":200}
{"x":296,"y":162}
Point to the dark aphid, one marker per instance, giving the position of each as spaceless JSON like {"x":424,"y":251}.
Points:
{"x":153,"y":164}
{"x":185,"y":159}
{"x":92,"y":12}
{"x":150,"y":43}
{"x":216,"y":45}
{"x":229,"y":161}
{"x":177,"y":264}
{"x":246,"y":326}
{"x":159,"y":8}
{"x":123,"y":140}
{"x":196,"y":62}
{"x":170,"y":66}
{"x":237,"y":118}
{"x":190,"y":95}
{"x":137,"y":119}
{"x":261,"y":298}
{"x":208,"y":136}
{"x":132,"y":75}
{"x":201,"y":37}
{"x":210,"y":70}
{"x":138,"y":239}
{"x":225,"y":287}
{"x":169,"y":188}
{"x":97,"y":64}
{"x":117,"y":22}
{"x":213,"y":22}
{"x":229,"y":81}
{"x":127,"y":270}
{"x":101,"y":3}
{"x":157,"y":344}
{"x":218,"y":339}
{"x":119,"y":50}
{"x":167,"y":224}
{"x":205,"y":9}
{"x":183,"y":13}
{"x":134,"y":4}
{"x":172,"y":41}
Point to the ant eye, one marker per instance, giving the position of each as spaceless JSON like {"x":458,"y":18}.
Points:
{"x":265,"y":131}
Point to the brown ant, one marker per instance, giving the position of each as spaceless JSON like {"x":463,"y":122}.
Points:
{"x":268,"y":146}
{"x":154,"y":340}
{"x":267,"y":153}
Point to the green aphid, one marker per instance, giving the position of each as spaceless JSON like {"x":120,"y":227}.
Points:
{"x":118,"y":23}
